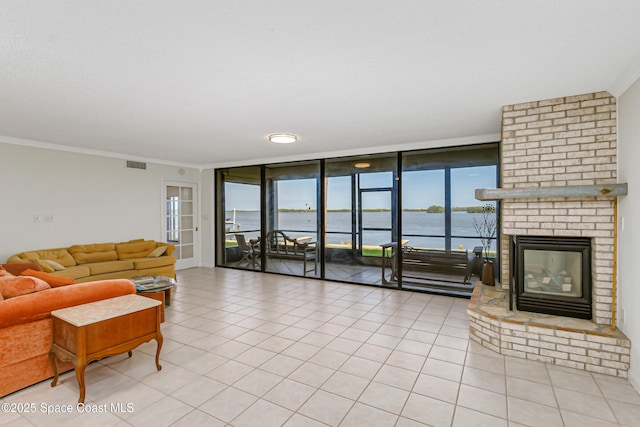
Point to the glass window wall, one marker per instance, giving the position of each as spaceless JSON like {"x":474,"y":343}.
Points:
{"x":405,"y":220}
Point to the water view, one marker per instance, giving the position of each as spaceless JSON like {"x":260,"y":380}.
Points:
{"x":420,"y":228}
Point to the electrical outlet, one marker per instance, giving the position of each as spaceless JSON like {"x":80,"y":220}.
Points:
{"x":37,"y":218}
{"x":48,"y":218}
{"x":622,"y":315}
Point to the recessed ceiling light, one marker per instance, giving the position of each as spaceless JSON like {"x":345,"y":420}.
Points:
{"x":362,"y":165}
{"x":283,"y":138}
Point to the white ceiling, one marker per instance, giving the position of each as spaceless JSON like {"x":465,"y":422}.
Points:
{"x":204,"y":82}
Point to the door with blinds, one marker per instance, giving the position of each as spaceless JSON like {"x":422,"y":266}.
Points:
{"x":181,"y":227}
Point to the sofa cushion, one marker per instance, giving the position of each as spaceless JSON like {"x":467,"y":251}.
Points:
{"x":157,"y":252}
{"x":14,"y":286}
{"x":98,"y":252}
{"x":142,"y":263}
{"x":170,"y":247}
{"x":53,"y":280}
{"x":109,"y":266}
{"x":61,"y":256}
{"x":131,"y":250}
{"x":55,"y":265}
{"x":76,"y":272}
{"x":45,"y":266}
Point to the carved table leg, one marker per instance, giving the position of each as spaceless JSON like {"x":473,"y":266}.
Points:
{"x":159,"y":339}
{"x":80,"y":366}
{"x":54,"y":367}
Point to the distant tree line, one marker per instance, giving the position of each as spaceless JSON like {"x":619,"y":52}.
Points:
{"x":440,"y":209}
{"x":430,"y":209}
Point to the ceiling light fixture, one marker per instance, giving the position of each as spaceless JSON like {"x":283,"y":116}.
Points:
{"x":362,"y":165}
{"x":283,"y":138}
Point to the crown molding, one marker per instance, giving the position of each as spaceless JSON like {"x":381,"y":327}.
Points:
{"x":625,"y":79}
{"x":438,"y":143}
{"x":100,"y":153}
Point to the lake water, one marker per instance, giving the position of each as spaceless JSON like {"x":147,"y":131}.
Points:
{"x":420,"y":228}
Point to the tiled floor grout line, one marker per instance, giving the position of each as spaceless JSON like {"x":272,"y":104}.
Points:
{"x":555,"y":394}
{"x":307,"y":361}
{"x":342,"y":364}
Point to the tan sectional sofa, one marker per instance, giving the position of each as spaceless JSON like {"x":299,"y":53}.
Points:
{"x":102,"y":261}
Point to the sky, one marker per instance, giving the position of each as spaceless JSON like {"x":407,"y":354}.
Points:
{"x":420,"y":189}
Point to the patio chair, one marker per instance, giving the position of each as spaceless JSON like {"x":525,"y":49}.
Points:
{"x":249,"y":251}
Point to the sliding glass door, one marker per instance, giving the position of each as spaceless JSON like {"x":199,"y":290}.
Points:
{"x":438,"y":215}
{"x":361,"y":212}
{"x":290,"y":243}
{"x":239,"y":216}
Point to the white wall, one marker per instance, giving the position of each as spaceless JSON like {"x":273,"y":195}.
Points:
{"x":629,"y":225}
{"x":92,"y":199}
{"x":207,"y":236}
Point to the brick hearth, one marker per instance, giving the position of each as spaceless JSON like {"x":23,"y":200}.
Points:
{"x":562,"y":341}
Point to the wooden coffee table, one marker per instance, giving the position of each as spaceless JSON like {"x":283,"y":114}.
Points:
{"x":88,"y":332}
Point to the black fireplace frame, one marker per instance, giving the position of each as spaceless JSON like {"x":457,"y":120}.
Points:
{"x":559,"y":305}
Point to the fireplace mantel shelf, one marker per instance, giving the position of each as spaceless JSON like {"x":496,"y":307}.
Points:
{"x":610,"y":190}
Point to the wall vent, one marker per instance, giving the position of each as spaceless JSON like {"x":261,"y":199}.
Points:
{"x":136,"y":165}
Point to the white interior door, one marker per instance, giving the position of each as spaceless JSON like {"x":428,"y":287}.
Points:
{"x":181,"y":222}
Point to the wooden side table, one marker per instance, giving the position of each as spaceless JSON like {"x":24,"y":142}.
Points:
{"x":88,"y":332}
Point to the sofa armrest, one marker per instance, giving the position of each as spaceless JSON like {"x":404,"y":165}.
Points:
{"x":16,"y":269}
{"x":39,"y":305}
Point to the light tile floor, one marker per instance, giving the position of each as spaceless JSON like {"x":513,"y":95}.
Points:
{"x":251,"y":349}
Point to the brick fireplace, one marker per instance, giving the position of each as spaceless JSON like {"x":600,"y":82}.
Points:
{"x":564,"y":143}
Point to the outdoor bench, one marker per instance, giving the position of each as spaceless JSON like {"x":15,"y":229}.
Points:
{"x":279,"y":245}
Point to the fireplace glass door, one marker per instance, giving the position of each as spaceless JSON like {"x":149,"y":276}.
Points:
{"x":553,"y":272}
{"x":552,"y":275}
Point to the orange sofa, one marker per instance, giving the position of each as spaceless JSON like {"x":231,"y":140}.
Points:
{"x":26,"y":327}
